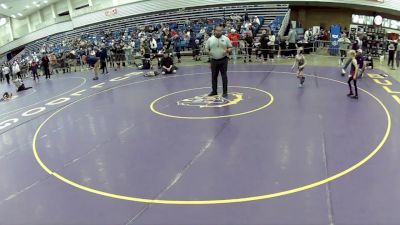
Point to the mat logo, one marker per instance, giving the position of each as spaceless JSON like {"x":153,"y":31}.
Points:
{"x":205,"y":101}
{"x":381,"y":79}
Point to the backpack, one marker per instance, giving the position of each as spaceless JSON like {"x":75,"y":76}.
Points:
{"x":151,"y":74}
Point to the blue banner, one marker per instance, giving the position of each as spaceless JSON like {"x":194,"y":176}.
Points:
{"x":335,"y":35}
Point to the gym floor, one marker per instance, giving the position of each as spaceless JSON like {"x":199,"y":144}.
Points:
{"x":128,"y":149}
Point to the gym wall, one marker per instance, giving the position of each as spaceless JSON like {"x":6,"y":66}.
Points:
{"x":309,"y":16}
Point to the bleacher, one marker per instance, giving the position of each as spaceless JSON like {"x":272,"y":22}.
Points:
{"x":268,"y":13}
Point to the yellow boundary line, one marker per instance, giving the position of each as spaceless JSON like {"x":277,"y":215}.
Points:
{"x":221,"y":201}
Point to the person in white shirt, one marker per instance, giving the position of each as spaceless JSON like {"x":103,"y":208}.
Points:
{"x":344,"y":46}
{"x":187,"y":22}
{"x":19,"y":84}
{"x":16,"y":70}
{"x":307,"y":36}
{"x":142,"y":33}
{"x":202,"y":32}
{"x":243,"y":28}
{"x":128,"y":53}
{"x":238,"y":18}
{"x":271,"y":45}
{"x":219,"y":47}
{"x":256,"y":20}
{"x":247,"y":25}
{"x":153,"y":45}
{"x":232,"y":17}
{"x":6,"y":72}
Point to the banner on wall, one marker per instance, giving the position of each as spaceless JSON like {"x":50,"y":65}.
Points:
{"x":111,"y":12}
{"x":377,"y":20}
{"x":335,"y":35}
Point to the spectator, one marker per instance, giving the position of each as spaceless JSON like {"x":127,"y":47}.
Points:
{"x":203,"y":31}
{"x":96,"y":61}
{"x":128,"y":53}
{"x":103,"y":59}
{"x":1,"y":75}
{"x":146,"y":57}
{"x":256,"y":21}
{"x":234,"y":38}
{"x":271,"y":45}
{"x":34,"y":68}
{"x":398,"y":52}
{"x":232,"y":17}
{"x":19,"y":84}
{"x":16,"y":70}
{"x":344,"y":45}
{"x":6,"y":72}
{"x":187,"y":22}
{"x":264,"y":41}
{"x":391,"y":50}
{"x":357,"y":44}
{"x":177,"y":47}
{"x":167,"y":64}
{"x":361,"y":63}
{"x":153,"y":45}
{"x":196,"y":50}
{"x":307,"y":36}
{"x":246,"y":15}
{"x":292,"y":39}
{"x":248,"y":40}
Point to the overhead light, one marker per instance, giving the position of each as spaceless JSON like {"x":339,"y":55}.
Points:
{"x":34,"y":2}
{"x":38,"y":5}
{"x":27,"y":6}
{"x":3,"y":6}
{"x":13,"y":16}
{"x":45,"y":2}
{"x":20,"y":14}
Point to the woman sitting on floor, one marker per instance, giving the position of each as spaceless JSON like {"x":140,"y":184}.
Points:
{"x":19,"y":84}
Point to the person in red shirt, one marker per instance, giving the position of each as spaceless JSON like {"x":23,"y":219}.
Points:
{"x":34,"y":68}
{"x":234,"y":38}
{"x":174,"y":33}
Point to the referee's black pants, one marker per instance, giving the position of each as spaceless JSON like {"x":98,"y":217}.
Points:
{"x":217,"y":66}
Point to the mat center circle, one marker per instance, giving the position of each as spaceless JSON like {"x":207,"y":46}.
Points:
{"x":196,"y":104}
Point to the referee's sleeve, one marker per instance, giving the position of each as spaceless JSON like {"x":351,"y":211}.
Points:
{"x":228,"y":43}
{"x":208,"y":44}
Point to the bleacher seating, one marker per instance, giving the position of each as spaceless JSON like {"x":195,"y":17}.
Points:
{"x":176,"y":19}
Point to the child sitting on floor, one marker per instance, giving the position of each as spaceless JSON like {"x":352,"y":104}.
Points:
{"x":167,"y":64}
{"x":6,"y":96}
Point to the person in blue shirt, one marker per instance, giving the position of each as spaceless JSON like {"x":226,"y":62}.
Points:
{"x":177,"y":47}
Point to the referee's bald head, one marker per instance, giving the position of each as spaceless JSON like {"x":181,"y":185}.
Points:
{"x":218,"y":31}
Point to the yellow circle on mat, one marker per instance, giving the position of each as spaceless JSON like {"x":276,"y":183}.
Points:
{"x":220,"y":201}
{"x":153,"y":104}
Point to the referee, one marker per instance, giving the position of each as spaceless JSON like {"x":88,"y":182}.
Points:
{"x":219,"y":47}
